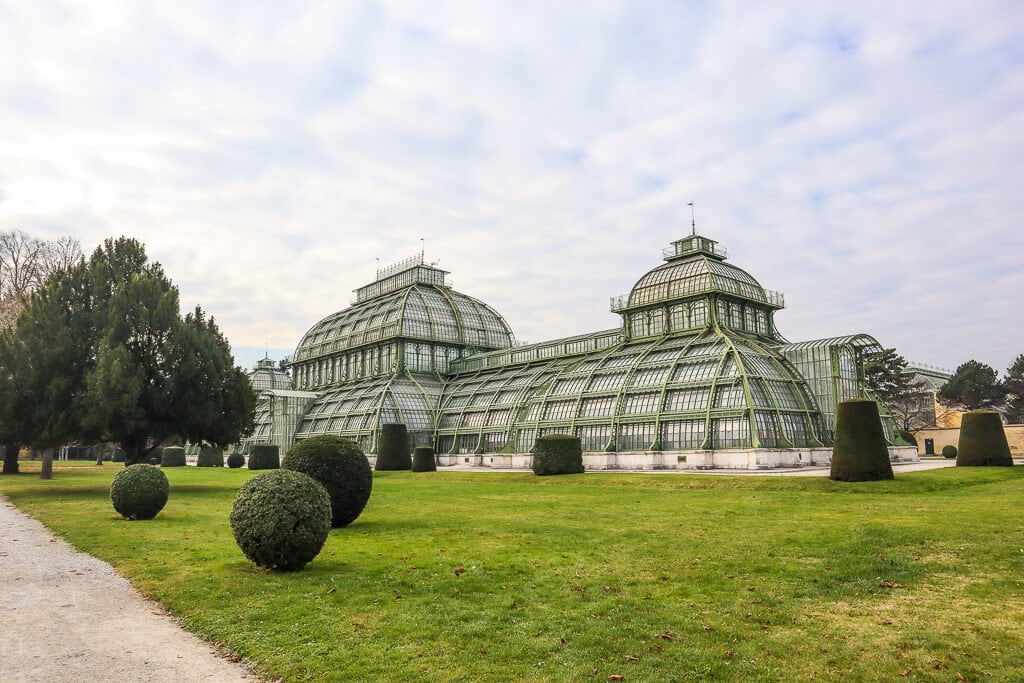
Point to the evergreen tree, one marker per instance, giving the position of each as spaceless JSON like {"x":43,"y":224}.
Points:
{"x":907,"y":398}
{"x":100,"y":353}
{"x":973,"y":386}
{"x":1014,"y":384}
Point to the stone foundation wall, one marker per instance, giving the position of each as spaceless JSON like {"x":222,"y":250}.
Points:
{"x":750,"y":459}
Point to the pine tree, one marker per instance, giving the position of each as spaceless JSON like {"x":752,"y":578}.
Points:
{"x":907,"y":398}
{"x":1014,"y":384}
{"x":973,"y":386}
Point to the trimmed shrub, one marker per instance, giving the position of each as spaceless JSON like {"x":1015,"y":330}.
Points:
{"x":557,"y":454}
{"x":210,"y":457}
{"x":983,"y":441}
{"x":341,"y":467}
{"x":281,"y":519}
{"x":949,"y":451}
{"x":118,"y":455}
{"x":860,"y":452}
{"x":154,"y":460}
{"x":236,"y":460}
{"x":393,"y":448}
{"x":423,"y":459}
{"x":173,"y":456}
{"x":264,"y":456}
{"x":139,"y":491}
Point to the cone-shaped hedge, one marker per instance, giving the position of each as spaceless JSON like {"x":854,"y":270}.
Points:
{"x":393,"y":448}
{"x":983,"y":441}
{"x":173,"y":456}
{"x":210,"y":457}
{"x":281,"y":519}
{"x":423,"y":459}
{"x":139,"y":492}
{"x":949,"y":452}
{"x":860,"y":452}
{"x":341,"y":467}
{"x":557,"y":454}
{"x":264,"y":457}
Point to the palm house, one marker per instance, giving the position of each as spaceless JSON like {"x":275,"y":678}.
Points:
{"x":695,"y":376}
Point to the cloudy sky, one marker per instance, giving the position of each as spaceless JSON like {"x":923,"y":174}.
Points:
{"x":863,"y":158}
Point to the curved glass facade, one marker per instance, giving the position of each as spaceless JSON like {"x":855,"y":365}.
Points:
{"x":697,"y":364}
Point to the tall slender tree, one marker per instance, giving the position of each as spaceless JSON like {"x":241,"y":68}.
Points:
{"x":906,"y":397}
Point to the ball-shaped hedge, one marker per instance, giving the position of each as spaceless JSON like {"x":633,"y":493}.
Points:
{"x":264,"y":457}
{"x":423,"y":459}
{"x":210,"y":457}
{"x":281,"y":519}
{"x":557,"y":454}
{"x":983,"y":441}
{"x":236,"y":460}
{"x":139,"y":491}
{"x":341,"y":467}
{"x":860,"y":452}
{"x":173,"y":456}
{"x":949,"y":451}
{"x":393,"y":451}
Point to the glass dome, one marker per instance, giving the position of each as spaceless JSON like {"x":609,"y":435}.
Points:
{"x":266,"y":376}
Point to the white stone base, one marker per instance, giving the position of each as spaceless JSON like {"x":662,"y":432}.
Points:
{"x":749,"y":459}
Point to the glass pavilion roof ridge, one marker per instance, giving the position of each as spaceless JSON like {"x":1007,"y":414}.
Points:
{"x":697,"y":363}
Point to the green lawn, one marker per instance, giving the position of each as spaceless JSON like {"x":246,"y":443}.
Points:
{"x":651,"y":577}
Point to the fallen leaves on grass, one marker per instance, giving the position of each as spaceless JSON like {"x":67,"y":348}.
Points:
{"x":459,"y":571}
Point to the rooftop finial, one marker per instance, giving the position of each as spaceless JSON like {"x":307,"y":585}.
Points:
{"x":377,"y":277}
{"x":423,"y":249}
{"x":693,"y":220}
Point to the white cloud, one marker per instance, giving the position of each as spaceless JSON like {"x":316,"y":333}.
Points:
{"x":862,"y":158}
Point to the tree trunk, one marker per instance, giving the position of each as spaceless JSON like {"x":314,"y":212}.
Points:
{"x":46,"y":472}
{"x":134,"y":452}
{"x":10,"y":458}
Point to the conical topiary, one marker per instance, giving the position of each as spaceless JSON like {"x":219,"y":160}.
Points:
{"x":860,"y":452}
{"x":423,"y":459}
{"x":393,"y":448}
{"x":983,"y":441}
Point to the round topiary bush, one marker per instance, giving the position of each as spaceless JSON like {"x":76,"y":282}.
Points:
{"x":983,"y":441}
{"x":139,"y":491}
{"x":236,"y":460}
{"x":173,"y":456}
{"x":949,"y":451}
{"x":557,"y":454}
{"x":264,"y":457}
{"x":341,"y":467}
{"x":909,"y":438}
{"x":281,"y":519}
{"x":210,"y":457}
{"x":423,"y":459}
{"x":393,"y":448}
{"x":860,"y":452}
{"x":118,"y":455}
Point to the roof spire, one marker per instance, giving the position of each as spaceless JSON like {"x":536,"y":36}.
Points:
{"x":693,"y":220}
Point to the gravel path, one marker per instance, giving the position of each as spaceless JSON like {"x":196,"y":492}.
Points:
{"x":66,"y":616}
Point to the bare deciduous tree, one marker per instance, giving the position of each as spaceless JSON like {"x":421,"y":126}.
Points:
{"x":25,"y":263}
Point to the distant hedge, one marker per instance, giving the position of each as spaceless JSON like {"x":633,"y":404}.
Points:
{"x":341,"y":467}
{"x":949,"y":451}
{"x":118,"y":455}
{"x":264,"y":457}
{"x":139,"y":492}
{"x":393,"y":448}
{"x":236,"y":460}
{"x":210,"y":457}
{"x":983,"y":441}
{"x":557,"y":454}
{"x":173,"y":456}
{"x":423,"y":459}
{"x":860,"y":452}
{"x":281,"y":519}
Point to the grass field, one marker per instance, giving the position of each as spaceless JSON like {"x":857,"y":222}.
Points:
{"x":651,"y":577}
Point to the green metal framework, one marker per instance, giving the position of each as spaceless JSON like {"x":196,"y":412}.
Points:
{"x":697,"y":363}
